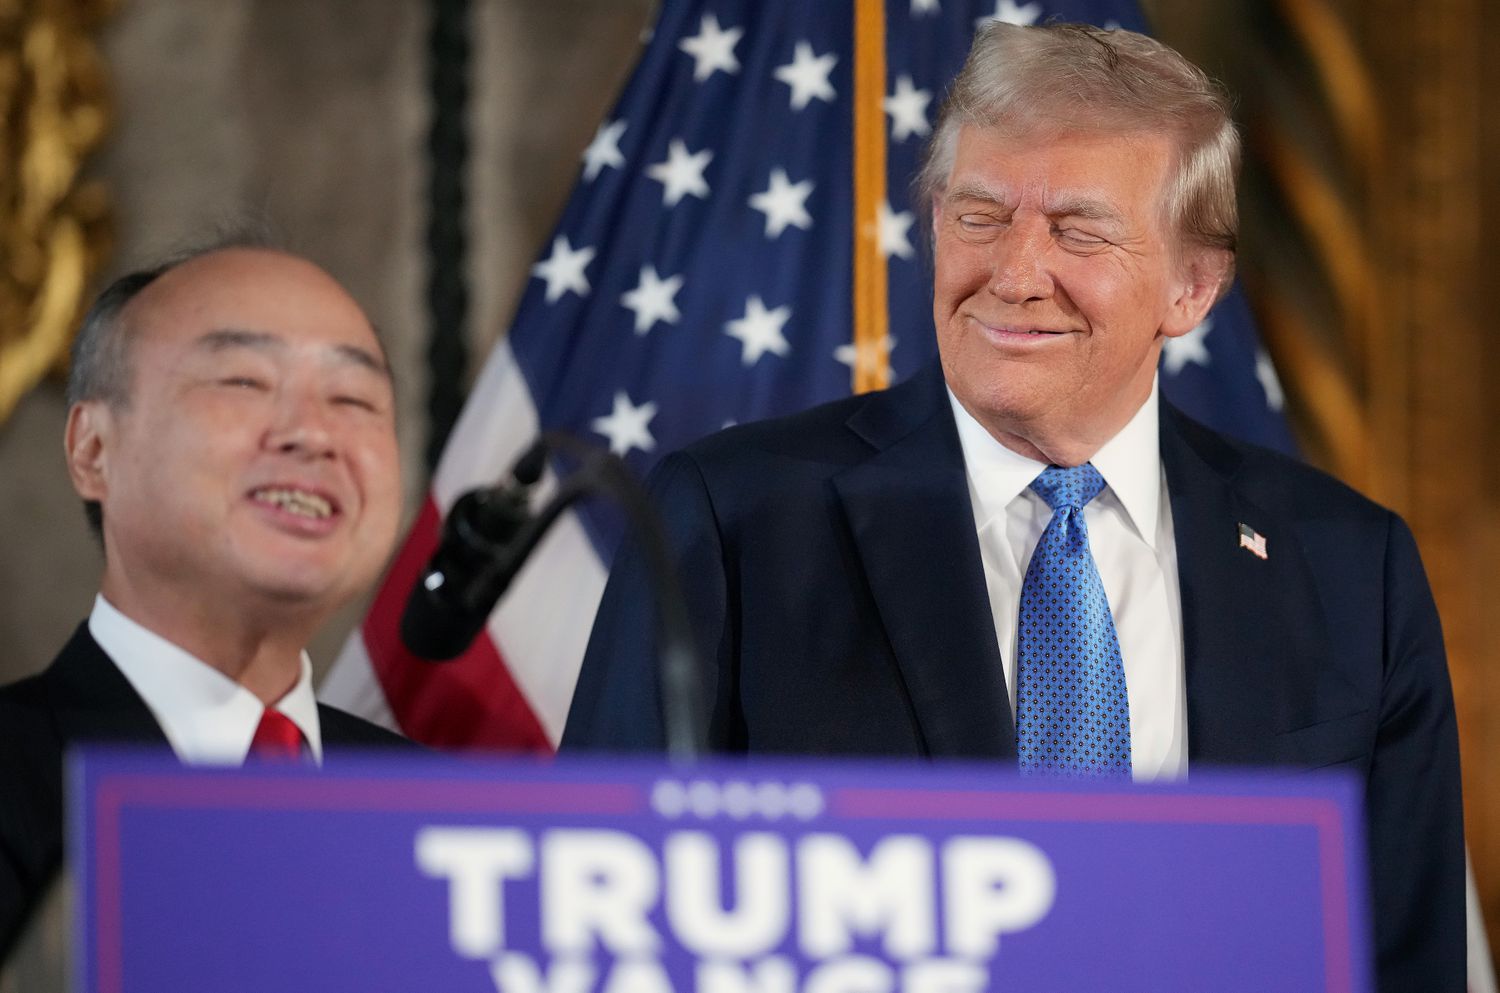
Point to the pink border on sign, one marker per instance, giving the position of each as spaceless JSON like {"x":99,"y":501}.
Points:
{"x":856,"y":802}
{"x":116,"y":792}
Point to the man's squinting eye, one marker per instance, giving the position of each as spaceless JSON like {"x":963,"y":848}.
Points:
{"x":978,"y":222}
{"x":357,"y":402}
{"x":1080,"y":238}
{"x":241,"y":381}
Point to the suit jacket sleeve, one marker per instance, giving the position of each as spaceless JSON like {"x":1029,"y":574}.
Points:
{"x":30,"y":808}
{"x":617,"y":703}
{"x":1413,"y":795}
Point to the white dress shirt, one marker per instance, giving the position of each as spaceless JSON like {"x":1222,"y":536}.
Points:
{"x":207,"y":717}
{"x":1130,"y":534}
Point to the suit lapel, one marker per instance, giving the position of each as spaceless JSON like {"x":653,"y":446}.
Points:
{"x":908,"y":511}
{"x":92,"y":699}
{"x":1253,"y":630}
{"x":343,"y":730}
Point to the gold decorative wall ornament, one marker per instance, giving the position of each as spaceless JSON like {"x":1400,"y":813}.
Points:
{"x":1315,"y":124}
{"x":54,"y":224}
{"x":1371,"y":131}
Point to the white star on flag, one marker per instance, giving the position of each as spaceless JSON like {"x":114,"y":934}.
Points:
{"x":682,"y":174}
{"x":924,"y":7}
{"x":908,"y":110}
{"x":759,"y":331}
{"x":1012,"y":13}
{"x":652,"y":300}
{"x":604,"y":150}
{"x":712,"y":49}
{"x":563,"y":269}
{"x":626,"y":426}
{"x":865,"y":358}
{"x":1191,"y":347}
{"x":1265,"y":374}
{"x":784,"y":203}
{"x":807,"y":75}
{"x":892,"y":227}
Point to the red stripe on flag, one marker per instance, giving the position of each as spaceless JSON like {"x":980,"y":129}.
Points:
{"x":470,"y":702}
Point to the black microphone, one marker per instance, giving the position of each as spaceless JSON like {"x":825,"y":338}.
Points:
{"x":469,"y":571}
{"x":490,"y":533}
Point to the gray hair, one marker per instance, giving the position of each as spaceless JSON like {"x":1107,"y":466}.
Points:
{"x":1076,"y":76}
{"x":99,"y":368}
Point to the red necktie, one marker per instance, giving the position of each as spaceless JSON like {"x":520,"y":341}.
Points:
{"x":276,"y":738}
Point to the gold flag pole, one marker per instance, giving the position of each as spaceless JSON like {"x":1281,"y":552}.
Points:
{"x":871,"y":315}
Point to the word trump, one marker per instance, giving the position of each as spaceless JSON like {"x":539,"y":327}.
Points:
{"x":935,"y":909}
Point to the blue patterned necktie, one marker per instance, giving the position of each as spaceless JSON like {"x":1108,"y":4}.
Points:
{"x":1072,"y":714}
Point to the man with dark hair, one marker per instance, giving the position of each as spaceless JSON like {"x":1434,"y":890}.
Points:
{"x":1022,"y":553}
{"x":231,"y":429}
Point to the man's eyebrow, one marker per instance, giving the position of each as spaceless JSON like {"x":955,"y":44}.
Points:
{"x":974,"y":191}
{"x":221,"y":338}
{"x":364,"y":357}
{"x":1085,"y":207}
{"x":224,"y":338}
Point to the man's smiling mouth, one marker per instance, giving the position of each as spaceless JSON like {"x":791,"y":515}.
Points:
{"x":296,"y":501}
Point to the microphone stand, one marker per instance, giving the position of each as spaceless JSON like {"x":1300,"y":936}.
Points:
{"x":603,"y":472}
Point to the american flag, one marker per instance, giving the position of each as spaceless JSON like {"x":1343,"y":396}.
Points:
{"x":700,"y":276}
{"x":1253,"y":540}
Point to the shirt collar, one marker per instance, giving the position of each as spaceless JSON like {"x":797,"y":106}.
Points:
{"x":1130,"y":463}
{"x":996,"y":474}
{"x":207,"y":717}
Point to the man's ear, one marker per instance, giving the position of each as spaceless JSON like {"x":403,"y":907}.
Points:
{"x":1205,"y":271}
{"x":87,"y":444}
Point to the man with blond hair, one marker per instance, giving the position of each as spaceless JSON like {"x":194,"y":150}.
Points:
{"x":1022,"y":553}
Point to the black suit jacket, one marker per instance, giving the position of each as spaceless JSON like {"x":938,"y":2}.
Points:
{"x":833,"y":576}
{"x":83,"y":697}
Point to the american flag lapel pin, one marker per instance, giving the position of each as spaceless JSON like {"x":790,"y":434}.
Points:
{"x":1253,"y":540}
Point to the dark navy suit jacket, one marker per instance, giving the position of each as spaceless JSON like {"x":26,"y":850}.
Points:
{"x":83,"y":697}
{"x":833,"y":575}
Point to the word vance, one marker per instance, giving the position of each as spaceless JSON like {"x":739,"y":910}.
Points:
{"x":813,"y":913}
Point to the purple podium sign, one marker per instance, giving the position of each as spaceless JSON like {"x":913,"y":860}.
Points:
{"x":725,"y":877}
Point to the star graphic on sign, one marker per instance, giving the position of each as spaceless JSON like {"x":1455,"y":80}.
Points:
{"x":626,"y":426}
{"x":563,"y":269}
{"x":759,"y":331}
{"x":924,"y":7}
{"x":1191,"y":347}
{"x":712,"y":48}
{"x":652,"y":300}
{"x":908,"y":110}
{"x":1265,"y":373}
{"x":682,"y":174}
{"x":807,"y":75}
{"x":866,"y":358}
{"x":893,"y":228}
{"x":784,"y":203}
{"x":604,"y":150}
{"x":1012,"y":13}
